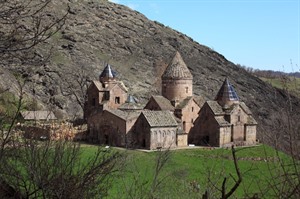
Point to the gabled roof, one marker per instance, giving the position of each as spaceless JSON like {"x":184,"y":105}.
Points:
{"x":160,"y":118}
{"x":122,"y":85}
{"x":221,"y":121}
{"x":38,"y":115}
{"x":251,"y":120}
{"x":124,"y":115}
{"x":215,"y":107}
{"x":108,"y":72}
{"x":245,"y":108}
{"x":162,"y":102}
{"x":177,"y":69}
{"x":226,"y":92}
{"x":110,"y":86}
{"x":199,"y":100}
{"x":98,"y":85}
{"x":219,"y":112}
{"x":184,"y":103}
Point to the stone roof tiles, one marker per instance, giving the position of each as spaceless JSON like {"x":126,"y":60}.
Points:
{"x":221,"y":121}
{"x":163,"y":103}
{"x":184,"y":103}
{"x":100,"y":87}
{"x":160,"y":118}
{"x":177,"y":69}
{"x":251,"y":120}
{"x":199,"y":100}
{"x":219,"y":112}
{"x":215,"y":107}
{"x":124,"y":114}
{"x":245,"y":108}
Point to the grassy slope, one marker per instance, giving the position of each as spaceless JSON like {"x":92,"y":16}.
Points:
{"x":188,"y":167}
{"x":292,"y":84}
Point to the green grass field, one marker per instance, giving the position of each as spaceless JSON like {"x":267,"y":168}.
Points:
{"x":291,"y":84}
{"x":191,"y":172}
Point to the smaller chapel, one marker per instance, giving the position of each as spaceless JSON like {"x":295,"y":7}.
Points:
{"x":224,"y":121}
{"x":176,"y":118}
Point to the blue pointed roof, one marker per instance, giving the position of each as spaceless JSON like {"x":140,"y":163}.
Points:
{"x":131,"y":104}
{"x":108,"y":73}
{"x":227,"y":92}
{"x":131,"y":99}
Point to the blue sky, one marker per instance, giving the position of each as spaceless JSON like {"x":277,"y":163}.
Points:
{"x":262,"y":34}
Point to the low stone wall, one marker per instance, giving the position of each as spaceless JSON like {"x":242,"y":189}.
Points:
{"x":53,"y":131}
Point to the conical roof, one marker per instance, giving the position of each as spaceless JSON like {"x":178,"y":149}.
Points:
{"x":177,"y":69}
{"x":131,"y":99}
{"x":226,"y":92}
{"x":131,"y":104}
{"x":107,"y":73}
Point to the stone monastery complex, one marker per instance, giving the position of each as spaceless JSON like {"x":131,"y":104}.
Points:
{"x":176,"y":118}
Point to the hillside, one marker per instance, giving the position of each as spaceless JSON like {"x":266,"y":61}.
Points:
{"x":290,"y":84}
{"x":97,"y":32}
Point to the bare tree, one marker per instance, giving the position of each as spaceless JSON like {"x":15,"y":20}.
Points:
{"x":23,"y":25}
{"x":217,"y":188}
{"x":49,"y":169}
{"x":141,"y":186}
{"x":75,"y":85}
{"x":57,"y":170}
{"x":8,"y":120}
{"x":285,"y":175}
{"x":31,"y":169}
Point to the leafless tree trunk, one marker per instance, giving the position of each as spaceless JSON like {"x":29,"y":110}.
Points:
{"x":23,"y":25}
{"x":142,"y":186}
{"x":75,"y":85}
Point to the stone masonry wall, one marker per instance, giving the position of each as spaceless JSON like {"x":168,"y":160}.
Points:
{"x":177,"y":89}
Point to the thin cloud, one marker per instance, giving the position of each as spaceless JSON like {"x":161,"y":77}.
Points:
{"x":132,"y":6}
{"x":114,"y":1}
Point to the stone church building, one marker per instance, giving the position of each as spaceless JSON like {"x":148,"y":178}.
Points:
{"x":224,"y":121}
{"x":105,"y":93}
{"x":176,"y":118}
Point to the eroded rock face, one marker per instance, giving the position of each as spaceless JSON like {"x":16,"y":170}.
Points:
{"x":97,"y":32}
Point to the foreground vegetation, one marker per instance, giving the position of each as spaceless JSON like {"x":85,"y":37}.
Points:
{"x":69,"y":170}
{"x":196,"y":172}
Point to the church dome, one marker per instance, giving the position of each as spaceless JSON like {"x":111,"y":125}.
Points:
{"x":177,"y":69}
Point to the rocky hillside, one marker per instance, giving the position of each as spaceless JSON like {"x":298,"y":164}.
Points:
{"x":97,"y":32}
